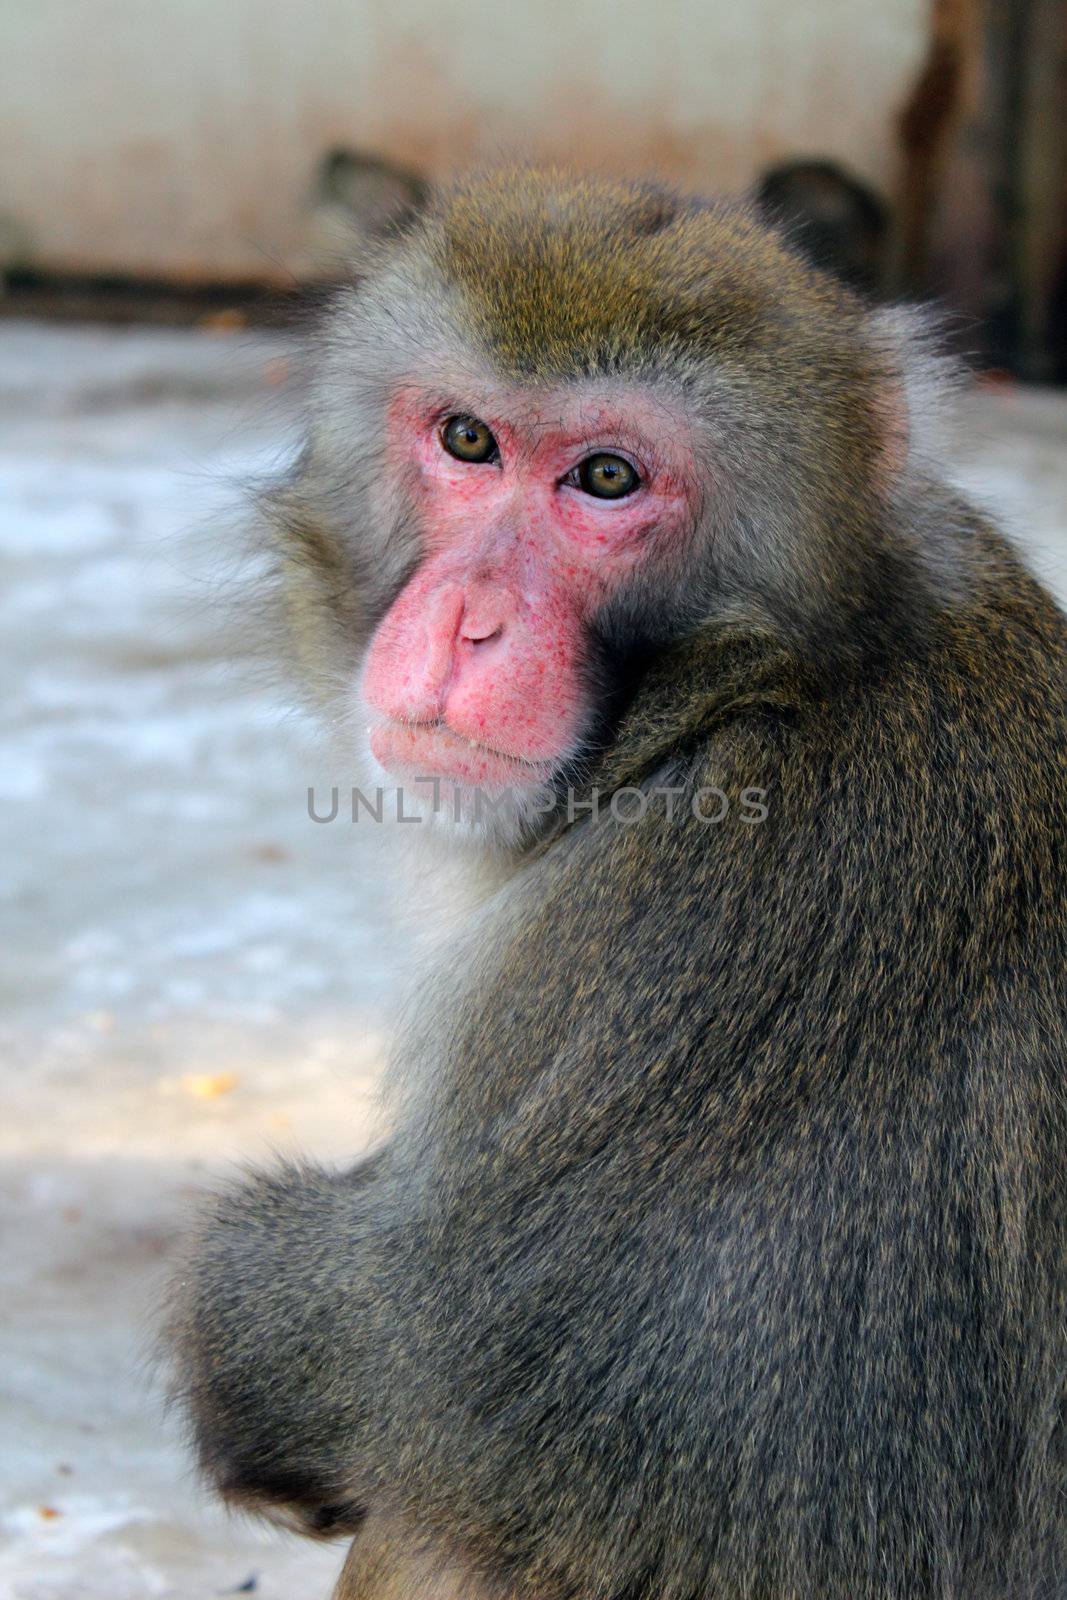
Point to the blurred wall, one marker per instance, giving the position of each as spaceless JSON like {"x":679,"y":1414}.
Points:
{"x":180,"y":137}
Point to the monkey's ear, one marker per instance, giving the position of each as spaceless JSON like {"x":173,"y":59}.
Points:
{"x":920,"y":383}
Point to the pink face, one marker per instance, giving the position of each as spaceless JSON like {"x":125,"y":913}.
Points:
{"x":475,"y":674}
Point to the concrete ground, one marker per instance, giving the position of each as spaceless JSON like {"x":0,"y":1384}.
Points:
{"x":192,"y":973}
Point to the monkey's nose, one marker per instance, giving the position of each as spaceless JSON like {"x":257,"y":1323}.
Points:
{"x":485,"y":615}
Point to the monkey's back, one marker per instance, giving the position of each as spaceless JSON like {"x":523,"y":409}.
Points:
{"x":763,"y":1217}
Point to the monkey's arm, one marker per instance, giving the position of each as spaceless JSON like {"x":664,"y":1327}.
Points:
{"x":269,"y":1340}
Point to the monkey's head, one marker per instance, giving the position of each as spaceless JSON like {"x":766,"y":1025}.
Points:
{"x":558,"y":425}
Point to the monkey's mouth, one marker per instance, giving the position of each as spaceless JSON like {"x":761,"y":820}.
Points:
{"x":431,"y":750}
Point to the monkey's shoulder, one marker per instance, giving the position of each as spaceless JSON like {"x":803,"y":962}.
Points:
{"x":911,"y":815}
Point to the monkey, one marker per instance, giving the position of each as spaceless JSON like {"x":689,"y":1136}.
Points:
{"x":717,"y":1250}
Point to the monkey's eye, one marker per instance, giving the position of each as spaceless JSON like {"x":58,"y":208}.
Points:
{"x":607,"y":477}
{"x":468,"y":439}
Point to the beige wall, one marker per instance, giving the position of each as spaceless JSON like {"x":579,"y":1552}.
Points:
{"x":179,"y":136}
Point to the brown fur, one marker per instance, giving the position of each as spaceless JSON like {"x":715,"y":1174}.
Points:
{"x":391,"y":1561}
{"x":720,"y":1252}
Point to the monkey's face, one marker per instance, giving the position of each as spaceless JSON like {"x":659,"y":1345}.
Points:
{"x":534,"y":513}
{"x":558,"y":426}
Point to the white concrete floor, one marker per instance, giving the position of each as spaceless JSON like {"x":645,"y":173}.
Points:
{"x":190,"y":970}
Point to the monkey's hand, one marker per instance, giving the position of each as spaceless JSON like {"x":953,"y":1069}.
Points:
{"x":270,"y":1325}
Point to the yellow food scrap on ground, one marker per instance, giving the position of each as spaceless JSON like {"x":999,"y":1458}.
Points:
{"x":209,"y":1085}
{"x":228,"y":320}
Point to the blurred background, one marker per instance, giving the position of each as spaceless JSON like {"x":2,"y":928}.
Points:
{"x":191,"y":144}
{"x":192,"y":973}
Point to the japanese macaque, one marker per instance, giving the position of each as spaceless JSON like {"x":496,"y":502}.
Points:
{"x":719,"y":1249}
